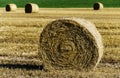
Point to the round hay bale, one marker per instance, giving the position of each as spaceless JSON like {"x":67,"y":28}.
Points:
{"x":11,"y":7}
{"x":70,"y":43}
{"x":31,"y":8}
{"x":98,"y":6}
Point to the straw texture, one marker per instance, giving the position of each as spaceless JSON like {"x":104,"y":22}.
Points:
{"x":70,"y":43}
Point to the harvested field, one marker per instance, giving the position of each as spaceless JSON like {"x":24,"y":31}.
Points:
{"x":20,"y":32}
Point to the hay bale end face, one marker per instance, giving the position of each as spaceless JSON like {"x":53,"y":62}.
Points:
{"x":31,"y":8}
{"x":11,"y":7}
{"x":70,"y":44}
{"x":97,"y":6}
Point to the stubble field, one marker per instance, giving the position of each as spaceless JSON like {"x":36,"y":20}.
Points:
{"x":19,"y":40}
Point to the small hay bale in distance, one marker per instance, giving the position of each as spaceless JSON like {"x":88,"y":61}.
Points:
{"x":31,"y":8}
{"x":70,"y":43}
{"x":11,"y":7}
{"x":98,"y":6}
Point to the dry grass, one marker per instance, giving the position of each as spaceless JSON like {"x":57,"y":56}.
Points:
{"x":24,"y":73}
{"x":20,"y":35}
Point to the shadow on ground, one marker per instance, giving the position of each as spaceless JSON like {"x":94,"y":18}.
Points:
{"x":18,"y":66}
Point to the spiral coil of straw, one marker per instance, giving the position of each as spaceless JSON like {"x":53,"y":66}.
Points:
{"x":70,"y":44}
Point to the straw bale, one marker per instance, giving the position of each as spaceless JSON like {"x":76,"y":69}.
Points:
{"x":70,"y":43}
{"x":97,"y":6}
{"x":11,"y":7}
{"x":31,"y":8}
